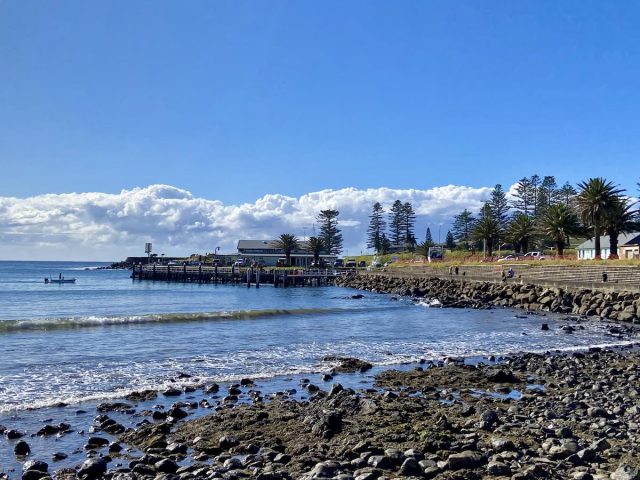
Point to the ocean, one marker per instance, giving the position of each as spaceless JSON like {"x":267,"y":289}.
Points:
{"x":107,"y":335}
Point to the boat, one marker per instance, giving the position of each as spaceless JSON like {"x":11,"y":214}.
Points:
{"x":60,"y":280}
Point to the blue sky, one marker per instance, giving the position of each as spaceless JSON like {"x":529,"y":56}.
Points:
{"x":233,"y":100}
{"x":243,"y":102}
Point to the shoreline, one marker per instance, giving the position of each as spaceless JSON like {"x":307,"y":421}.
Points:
{"x":571,"y":419}
{"x":428,"y":387}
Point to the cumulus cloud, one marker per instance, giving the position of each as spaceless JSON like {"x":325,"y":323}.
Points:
{"x":111,"y":226}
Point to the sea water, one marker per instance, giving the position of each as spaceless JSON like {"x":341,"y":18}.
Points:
{"x":107,"y":335}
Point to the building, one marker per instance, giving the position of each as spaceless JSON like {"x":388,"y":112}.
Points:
{"x":267,"y":253}
{"x":628,"y":247}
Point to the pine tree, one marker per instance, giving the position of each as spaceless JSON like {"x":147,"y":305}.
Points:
{"x":547,"y":194}
{"x":451,"y":243}
{"x":376,"y":229}
{"x":428,"y":239}
{"x":409,"y":225}
{"x":396,"y":223}
{"x":523,"y":196}
{"x":463,"y":224}
{"x":566,"y":194}
{"x":329,"y":231}
{"x":499,"y":206}
{"x":535,"y":185}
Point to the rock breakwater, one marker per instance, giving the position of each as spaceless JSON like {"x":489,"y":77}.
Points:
{"x":622,"y":306}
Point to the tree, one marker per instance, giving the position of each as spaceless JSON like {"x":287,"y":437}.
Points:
{"x":287,"y":242}
{"x":385,"y":244}
{"x":559,"y":223}
{"x":396,"y":223}
{"x":329,"y":231}
{"x":423,"y":248}
{"x":595,"y":197}
{"x":547,"y":194}
{"x":619,"y":218}
{"x":450,"y":242}
{"x":487,"y":228}
{"x":428,"y":239}
{"x":463,"y":225}
{"x":376,"y":229}
{"x":520,"y":232}
{"x":499,"y":206}
{"x":315,"y":246}
{"x":524,"y":196}
{"x":409,"y":220}
{"x":535,"y":184}
{"x":566,"y":194}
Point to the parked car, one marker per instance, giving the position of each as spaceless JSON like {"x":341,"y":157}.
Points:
{"x":533,"y":256}
{"x":351,"y":263}
{"x":320,"y":264}
{"x":339,"y":263}
{"x":239,"y":262}
{"x":509,"y":258}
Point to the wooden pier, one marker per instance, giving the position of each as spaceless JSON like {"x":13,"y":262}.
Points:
{"x":234,"y":275}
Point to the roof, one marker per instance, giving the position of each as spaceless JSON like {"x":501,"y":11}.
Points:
{"x":271,"y":245}
{"x":623,"y":239}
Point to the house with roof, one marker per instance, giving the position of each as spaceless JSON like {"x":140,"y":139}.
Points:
{"x":267,"y":253}
{"x":628,"y":247}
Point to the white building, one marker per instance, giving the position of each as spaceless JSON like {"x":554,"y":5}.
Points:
{"x":628,"y":247}
{"x":267,"y":253}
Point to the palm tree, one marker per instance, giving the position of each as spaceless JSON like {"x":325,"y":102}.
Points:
{"x":595,"y":197}
{"x":619,"y":219}
{"x":559,"y":223}
{"x":287,"y":243}
{"x":520,"y":231}
{"x":315,"y":246}
{"x":487,"y":229}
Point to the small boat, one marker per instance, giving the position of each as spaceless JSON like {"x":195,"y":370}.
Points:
{"x":60,"y":280}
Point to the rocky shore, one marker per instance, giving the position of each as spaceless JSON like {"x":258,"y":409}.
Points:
{"x":557,"y":416}
{"x":457,"y":293}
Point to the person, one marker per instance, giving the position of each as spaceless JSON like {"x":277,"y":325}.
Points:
{"x":510,"y":272}
{"x":605,"y":276}
{"x":450,"y":270}
{"x":456,"y":270}
{"x":60,"y":276}
{"x":503,"y":276}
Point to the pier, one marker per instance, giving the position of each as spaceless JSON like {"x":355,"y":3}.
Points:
{"x":237,"y":276}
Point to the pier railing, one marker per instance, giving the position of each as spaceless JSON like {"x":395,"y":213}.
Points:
{"x":236,"y":275}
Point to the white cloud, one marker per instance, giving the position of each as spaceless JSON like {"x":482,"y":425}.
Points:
{"x":112,"y":226}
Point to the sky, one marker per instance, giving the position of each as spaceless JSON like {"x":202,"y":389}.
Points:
{"x":193,"y":124}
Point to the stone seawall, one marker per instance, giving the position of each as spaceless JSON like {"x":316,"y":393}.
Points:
{"x":622,"y":306}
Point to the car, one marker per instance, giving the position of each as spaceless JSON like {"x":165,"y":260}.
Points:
{"x":351,"y":263}
{"x":239,"y":262}
{"x":320,"y":264}
{"x":509,"y":258}
{"x":533,"y":256}
{"x":339,"y":263}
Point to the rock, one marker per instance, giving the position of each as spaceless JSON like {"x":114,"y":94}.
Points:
{"x":410,"y":467}
{"x":93,"y":469}
{"x":380,"y":461}
{"x":545,"y":326}
{"x":465,"y":459}
{"x":21,"y":448}
{"x":38,"y":465}
{"x":166,"y":465}
{"x":325,"y":470}
{"x":335,"y":389}
{"x":488,"y":420}
{"x":115,"y":406}
{"x":502,"y":376}
{"x":59,"y":456}
{"x":172,"y":392}
{"x":227,"y":442}
{"x":625,"y":472}
{"x":13,"y":434}
{"x":96,"y":442}
{"x":497,"y":469}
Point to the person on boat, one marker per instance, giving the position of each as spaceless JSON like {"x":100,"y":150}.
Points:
{"x":60,"y":276}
